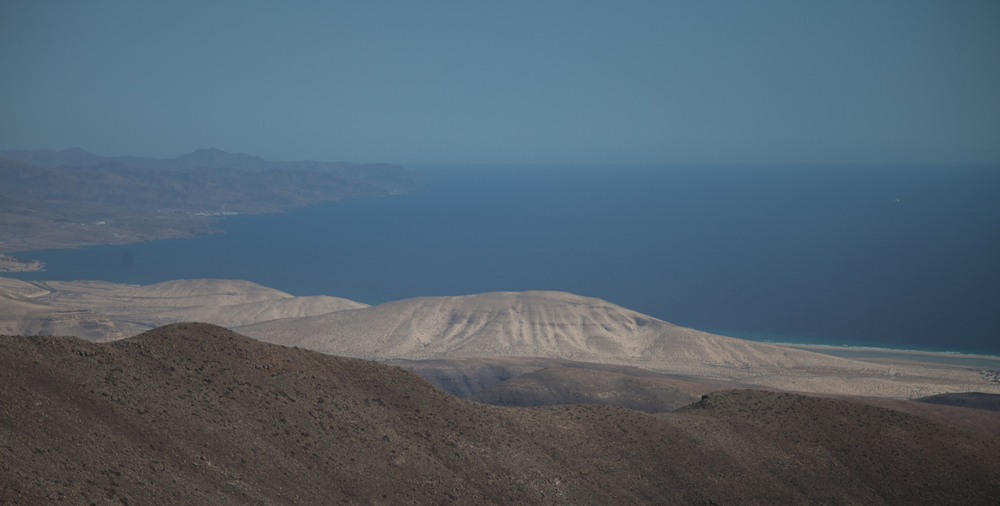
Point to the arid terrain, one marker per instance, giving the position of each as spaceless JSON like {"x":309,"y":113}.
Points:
{"x":10,"y":263}
{"x":196,"y":414}
{"x":591,"y":404}
{"x":51,"y":199}
{"x":467,"y":344}
{"x":570,"y":327}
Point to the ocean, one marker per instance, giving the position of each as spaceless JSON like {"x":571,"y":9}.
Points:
{"x":898,"y":256}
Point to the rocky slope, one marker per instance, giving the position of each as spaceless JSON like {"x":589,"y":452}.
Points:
{"x":196,"y":414}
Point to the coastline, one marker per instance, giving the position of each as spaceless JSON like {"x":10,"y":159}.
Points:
{"x":872,"y":354}
{"x":856,"y":348}
{"x":10,"y":263}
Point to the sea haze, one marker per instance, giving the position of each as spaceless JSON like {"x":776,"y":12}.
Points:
{"x":898,"y":256}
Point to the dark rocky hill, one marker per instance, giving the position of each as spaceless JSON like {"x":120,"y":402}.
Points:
{"x":196,"y":414}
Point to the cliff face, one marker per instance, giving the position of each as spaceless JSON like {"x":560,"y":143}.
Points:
{"x":193,"y":413}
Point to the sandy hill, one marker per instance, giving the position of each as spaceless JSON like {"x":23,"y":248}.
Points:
{"x":571,"y":327}
{"x":169,"y":294}
{"x":228,"y":303}
{"x":195,"y":414}
{"x":252,"y":312}
{"x":22,"y":288}
{"x":20,"y":315}
{"x":528,"y":326}
{"x":532,"y":324}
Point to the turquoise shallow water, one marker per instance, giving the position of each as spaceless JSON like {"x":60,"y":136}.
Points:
{"x":973,"y":361}
{"x":873,"y":348}
{"x":893,"y":256}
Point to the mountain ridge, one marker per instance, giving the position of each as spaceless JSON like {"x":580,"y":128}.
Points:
{"x":196,"y":414}
{"x":210,"y":158}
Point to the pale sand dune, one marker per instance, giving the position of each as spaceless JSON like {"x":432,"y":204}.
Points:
{"x":20,"y":315}
{"x":571,"y":327}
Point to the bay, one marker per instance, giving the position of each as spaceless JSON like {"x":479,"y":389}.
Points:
{"x":882,"y":255}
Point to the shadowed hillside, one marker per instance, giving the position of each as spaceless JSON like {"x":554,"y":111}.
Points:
{"x":574,"y":385}
{"x":392,"y":178}
{"x":193,"y":413}
{"x":977,"y":400}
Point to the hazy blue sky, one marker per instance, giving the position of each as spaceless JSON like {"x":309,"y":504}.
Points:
{"x":535,"y":81}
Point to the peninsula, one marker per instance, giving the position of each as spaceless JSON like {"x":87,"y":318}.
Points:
{"x":65,"y":199}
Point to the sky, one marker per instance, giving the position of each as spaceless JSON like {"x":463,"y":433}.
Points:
{"x":507,"y":82}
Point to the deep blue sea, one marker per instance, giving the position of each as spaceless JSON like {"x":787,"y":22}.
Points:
{"x":897,"y":256}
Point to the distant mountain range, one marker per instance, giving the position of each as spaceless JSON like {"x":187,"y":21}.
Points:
{"x":393,"y":178}
{"x":59,"y":199}
{"x":197,"y":159}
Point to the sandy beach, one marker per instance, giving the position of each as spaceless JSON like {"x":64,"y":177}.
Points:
{"x":987,"y":362}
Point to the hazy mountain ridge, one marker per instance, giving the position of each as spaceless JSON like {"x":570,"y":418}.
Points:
{"x":206,"y":189}
{"x":195,"y":414}
{"x":54,"y":199}
{"x":393,"y":178}
{"x":53,"y":158}
{"x":206,"y":158}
